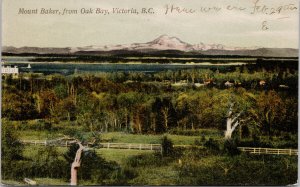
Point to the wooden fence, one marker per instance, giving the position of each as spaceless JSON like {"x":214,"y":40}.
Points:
{"x":47,"y":142}
{"x":136,"y":146}
{"x":131,"y":146}
{"x":101,"y":145}
{"x":271,"y":151}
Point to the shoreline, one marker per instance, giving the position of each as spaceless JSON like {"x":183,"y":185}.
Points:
{"x":135,"y":63}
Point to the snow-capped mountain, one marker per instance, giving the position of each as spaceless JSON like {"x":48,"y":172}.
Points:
{"x":161,"y":44}
{"x":165,"y":42}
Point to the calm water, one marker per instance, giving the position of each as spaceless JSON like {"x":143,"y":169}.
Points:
{"x":70,"y":68}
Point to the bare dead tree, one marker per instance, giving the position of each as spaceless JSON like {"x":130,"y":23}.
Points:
{"x":232,"y":121}
{"x":76,"y":164}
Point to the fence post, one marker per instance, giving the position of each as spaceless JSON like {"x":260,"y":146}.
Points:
{"x":140,"y":146}
{"x":45,"y":142}
{"x":35,"y":142}
{"x":151,"y":146}
{"x":129,"y":146}
{"x":107,"y":145}
{"x":290,"y":151}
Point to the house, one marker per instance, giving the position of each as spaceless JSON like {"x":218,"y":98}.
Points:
{"x":283,"y":86}
{"x":262,"y":83}
{"x":9,"y":70}
{"x":198,"y":84}
{"x":179,"y":84}
{"x":208,"y":82}
{"x":228,"y":84}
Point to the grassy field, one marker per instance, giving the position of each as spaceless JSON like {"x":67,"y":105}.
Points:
{"x":118,"y":137}
{"x":30,"y":150}
{"x":121,"y":137}
{"x":163,"y":175}
{"x":191,"y":168}
{"x":188,"y":139}
{"x":118,"y":155}
{"x":38,"y":135}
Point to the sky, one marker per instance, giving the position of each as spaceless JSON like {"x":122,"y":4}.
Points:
{"x":239,"y":28}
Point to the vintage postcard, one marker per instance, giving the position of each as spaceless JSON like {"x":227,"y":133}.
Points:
{"x":140,"y":92}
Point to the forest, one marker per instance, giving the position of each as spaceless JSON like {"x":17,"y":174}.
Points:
{"x":260,"y":101}
{"x":145,"y":103}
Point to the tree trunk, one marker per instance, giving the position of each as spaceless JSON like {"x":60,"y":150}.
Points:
{"x":138,"y":124}
{"x":76,"y":165}
{"x":231,"y":123}
{"x":131,"y":122}
{"x":74,"y":176}
{"x":153,"y":121}
{"x":126,"y":122}
{"x":69,"y":116}
{"x":31,"y":85}
{"x":166,"y":122}
{"x":106,"y":125}
{"x":193,"y":78}
{"x":20,"y":87}
{"x":38,"y":103}
{"x":228,"y":132}
{"x":165,"y":112}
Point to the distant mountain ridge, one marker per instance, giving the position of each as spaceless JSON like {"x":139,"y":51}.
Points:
{"x":161,"y":44}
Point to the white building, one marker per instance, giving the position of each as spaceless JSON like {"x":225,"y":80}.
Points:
{"x":9,"y":70}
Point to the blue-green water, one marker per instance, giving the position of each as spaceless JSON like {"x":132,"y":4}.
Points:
{"x":70,"y":68}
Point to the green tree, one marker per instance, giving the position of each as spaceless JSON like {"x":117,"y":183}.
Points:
{"x":269,"y":110}
{"x":167,"y":146}
{"x":11,"y":149}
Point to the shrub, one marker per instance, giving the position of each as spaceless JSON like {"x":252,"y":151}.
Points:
{"x":230,"y":147}
{"x":254,"y":170}
{"x":197,"y":142}
{"x":145,"y":160}
{"x":34,"y":124}
{"x":167,"y":146}
{"x":121,"y":176}
{"x":203,"y":139}
{"x":200,"y":142}
{"x":47,"y":126}
{"x":212,"y":145}
{"x":46,"y":163}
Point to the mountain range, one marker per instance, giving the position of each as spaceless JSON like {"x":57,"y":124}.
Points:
{"x":162,"y":44}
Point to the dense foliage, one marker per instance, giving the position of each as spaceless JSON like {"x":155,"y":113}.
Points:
{"x":186,"y":102}
{"x":157,"y":103}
